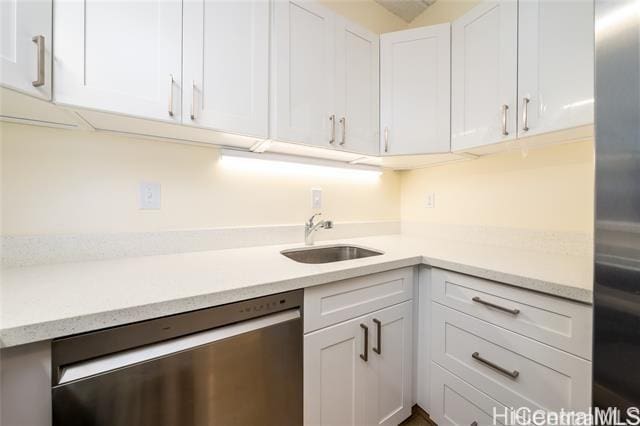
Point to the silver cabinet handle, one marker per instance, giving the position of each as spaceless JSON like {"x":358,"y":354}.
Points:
{"x":365,"y":355}
{"x":171,"y":80}
{"x":493,"y":305}
{"x":386,"y":139}
{"x":193,"y":100}
{"x":39,"y":41}
{"x":332,"y":119}
{"x":525,"y":114}
{"x":513,"y":374}
{"x":343,"y":123}
{"x":378,"y":324}
{"x":505,"y":109}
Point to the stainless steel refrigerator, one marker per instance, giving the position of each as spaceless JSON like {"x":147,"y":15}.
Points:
{"x":616,"y":369}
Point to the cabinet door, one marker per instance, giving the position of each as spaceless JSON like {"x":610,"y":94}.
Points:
{"x":484,"y":75}
{"x":357,"y":88}
{"x":415,"y":91}
{"x":389,"y":396}
{"x":334,"y":374}
{"x":122,"y":57}
{"x":226,"y":65}
{"x":555,"y":65}
{"x":25,"y":46}
{"x":303,"y":73}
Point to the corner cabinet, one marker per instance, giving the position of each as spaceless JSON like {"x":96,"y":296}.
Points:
{"x":122,"y":57}
{"x":484,"y":75}
{"x":226,"y":66}
{"x":360,"y":370}
{"x":25,"y":50}
{"x":324,"y":79}
{"x":555,"y":65}
{"x":415,"y":94}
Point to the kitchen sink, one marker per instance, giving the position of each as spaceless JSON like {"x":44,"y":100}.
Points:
{"x":329,"y":254}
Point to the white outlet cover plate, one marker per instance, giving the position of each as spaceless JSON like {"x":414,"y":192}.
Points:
{"x":149,"y":196}
{"x":430,"y":200}
{"x":316,"y":198}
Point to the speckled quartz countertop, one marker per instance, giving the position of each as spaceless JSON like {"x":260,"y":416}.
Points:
{"x":48,"y":301}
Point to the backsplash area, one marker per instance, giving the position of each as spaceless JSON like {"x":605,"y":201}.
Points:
{"x":73,"y":195}
{"x":46,"y":249}
{"x":65,"y":182}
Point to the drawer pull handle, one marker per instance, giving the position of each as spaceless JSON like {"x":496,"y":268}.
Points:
{"x":332,"y":120}
{"x":493,"y":305}
{"x":365,"y":355}
{"x":505,"y":108}
{"x":378,"y":350}
{"x":170,"y":108}
{"x":39,"y":41}
{"x":513,"y":374}
{"x":525,"y":114}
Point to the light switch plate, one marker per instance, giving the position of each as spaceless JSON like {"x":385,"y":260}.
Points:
{"x":430,"y":200}
{"x":149,"y":196}
{"x":316,"y":198}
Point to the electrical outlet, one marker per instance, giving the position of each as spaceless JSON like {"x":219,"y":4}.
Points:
{"x":150,"y":196}
{"x":316,"y":198}
{"x":430,"y":200}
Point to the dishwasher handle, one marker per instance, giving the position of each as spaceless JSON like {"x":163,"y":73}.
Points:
{"x":85,"y":369}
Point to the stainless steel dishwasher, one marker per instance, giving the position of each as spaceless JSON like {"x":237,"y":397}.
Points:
{"x":235,"y":364}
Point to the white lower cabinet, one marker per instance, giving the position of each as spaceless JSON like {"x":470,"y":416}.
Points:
{"x":335,"y":375}
{"x":359,"y":372}
{"x":458,"y":403}
{"x":493,"y":346}
{"x":388,"y":394}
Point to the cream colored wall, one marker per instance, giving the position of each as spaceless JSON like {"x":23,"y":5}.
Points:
{"x":367,"y":13}
{"x":443,"y":11}
{"x":550,"y":189}
{"x":62,"y":181}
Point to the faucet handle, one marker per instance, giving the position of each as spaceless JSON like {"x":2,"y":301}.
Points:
{"x":310,"y":221}
{"x":328,"y":224}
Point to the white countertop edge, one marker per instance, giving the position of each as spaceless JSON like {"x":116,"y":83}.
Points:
{"x":84,"y":323}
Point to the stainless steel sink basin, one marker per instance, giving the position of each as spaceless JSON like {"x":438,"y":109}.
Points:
{"x":329,"y":254}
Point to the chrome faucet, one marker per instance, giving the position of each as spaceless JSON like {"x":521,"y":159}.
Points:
{"x":310,"y":227}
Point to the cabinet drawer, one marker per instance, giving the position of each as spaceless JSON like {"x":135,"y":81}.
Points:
{"x":455,"y":402}
{"x":342,"y":300}
{"x":534,"y":375}
{"x":557,"y":322}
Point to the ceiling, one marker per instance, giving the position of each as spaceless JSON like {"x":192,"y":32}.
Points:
{"x":406,"y":9}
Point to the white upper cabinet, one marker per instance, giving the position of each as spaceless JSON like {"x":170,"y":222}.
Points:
{"x":555,"y":65}
{"x":484,"y":75}
{"x":357,"y":88}
{"x":122,"y":57}
{"x":415,"y":91}
{"x":226,"y":65}
{"x":25,"y":46}
{"x":303,"y":73}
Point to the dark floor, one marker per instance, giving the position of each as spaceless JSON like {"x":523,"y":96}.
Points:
{"x":418,"y":418}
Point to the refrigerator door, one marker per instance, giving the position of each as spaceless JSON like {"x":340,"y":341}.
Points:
{"x":616,"y":372}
